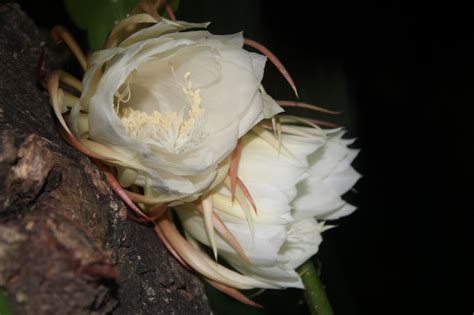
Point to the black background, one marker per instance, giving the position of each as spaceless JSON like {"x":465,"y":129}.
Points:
{"x":410,"y":70}
{"x":409,"y":67}
{"x":408,"y":79}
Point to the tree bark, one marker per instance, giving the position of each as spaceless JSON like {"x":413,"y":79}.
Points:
{"x":66,"y":245}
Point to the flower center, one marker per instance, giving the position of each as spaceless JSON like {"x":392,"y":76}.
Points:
{"x":175,"y":132}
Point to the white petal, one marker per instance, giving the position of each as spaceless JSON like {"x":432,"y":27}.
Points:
{"x":302,"y":242}
{"x":343,"y":181}
{"x":343,"y":211}
{"x":234,"y":95}
{"x":325,"y":160}
{"x":205,"y":38}
{"x":258,"y":65}
{"x":221,"y":143}
{"x":262,"y":162}
{"x":315,"y":197}
{"x":263,"y":250}
{"x":270,"y":107}
{"x":164,"y":93}
{"x":301,"y":147}
{"x":270,"y":200}
{"x":276,"y":275}
{"x":164,"y":27}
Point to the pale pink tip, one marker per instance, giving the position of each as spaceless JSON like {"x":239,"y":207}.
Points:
{"x":233,"y":293}
{"x":170,"y":247}
{"x":233,"y":169}
{"x":169,"y":10}
{"x":287,"y":103}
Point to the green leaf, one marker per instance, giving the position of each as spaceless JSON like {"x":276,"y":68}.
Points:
{"x":4,"y":309}
{"x":98,"y":17}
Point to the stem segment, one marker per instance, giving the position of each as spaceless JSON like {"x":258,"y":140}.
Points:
{"x":314,"y":292}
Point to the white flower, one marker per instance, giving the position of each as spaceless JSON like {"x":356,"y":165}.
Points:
{"x":292,"y":190}
{"x":167,"y":107}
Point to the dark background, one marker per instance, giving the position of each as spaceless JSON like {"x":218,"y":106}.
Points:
{"x":402,"y":72}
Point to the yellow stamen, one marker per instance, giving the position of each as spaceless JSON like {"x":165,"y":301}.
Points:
{"x":172,"y":130}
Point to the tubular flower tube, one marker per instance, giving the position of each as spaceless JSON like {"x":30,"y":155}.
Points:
{"x":166,"y":108}
{"x":294,"y":194}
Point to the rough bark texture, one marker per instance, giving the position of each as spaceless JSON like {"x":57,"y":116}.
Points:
{"x":66,"y":246}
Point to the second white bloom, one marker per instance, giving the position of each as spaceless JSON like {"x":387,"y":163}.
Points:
{"x":293,"y":190}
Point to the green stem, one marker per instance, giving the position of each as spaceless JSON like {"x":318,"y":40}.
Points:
{"x":314,"y":292}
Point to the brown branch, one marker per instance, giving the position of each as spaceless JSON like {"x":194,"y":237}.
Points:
{"x":66,"y":245}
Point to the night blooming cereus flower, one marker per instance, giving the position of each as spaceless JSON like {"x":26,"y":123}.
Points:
{"x":295,"y":188}
{"x":182,"y":119}
{"x":166,"y":108}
